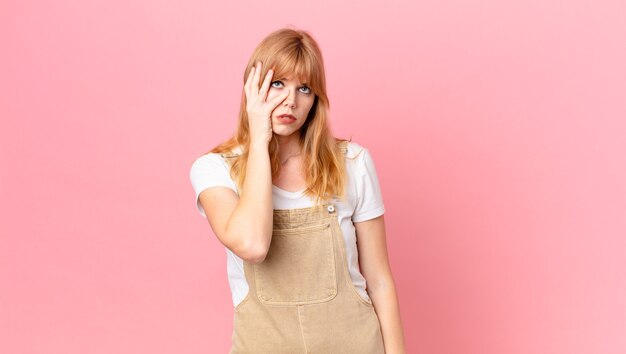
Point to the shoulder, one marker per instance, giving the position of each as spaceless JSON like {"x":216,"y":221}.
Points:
{"x":360,"y":158}
{"x":355,"y":150}
{"x":212,"y":158}
{"x":209,"y":164}
{"x":208,"y":170}
{"x":208,"y":159}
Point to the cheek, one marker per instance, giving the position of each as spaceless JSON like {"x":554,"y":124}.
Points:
{"x":271,"y":94}
{"x":308,"y":103}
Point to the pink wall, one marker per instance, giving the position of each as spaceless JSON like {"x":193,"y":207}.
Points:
{"x":497,"y":128}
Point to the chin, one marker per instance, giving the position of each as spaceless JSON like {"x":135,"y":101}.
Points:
{"x":285,"y":132}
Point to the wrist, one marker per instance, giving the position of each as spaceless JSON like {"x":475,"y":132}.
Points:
{"x":258,"y":145}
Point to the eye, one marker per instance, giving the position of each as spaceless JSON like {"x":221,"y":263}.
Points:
{"x":304,"y":89}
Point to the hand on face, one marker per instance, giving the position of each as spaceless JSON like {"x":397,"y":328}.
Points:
{"x":290,"y":116}
{"x":259,"y":110}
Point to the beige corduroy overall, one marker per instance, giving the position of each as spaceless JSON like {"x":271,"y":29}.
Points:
{"x":301,"y":298}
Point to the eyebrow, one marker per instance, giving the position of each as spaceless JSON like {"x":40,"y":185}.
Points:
{"x":284,"y":78}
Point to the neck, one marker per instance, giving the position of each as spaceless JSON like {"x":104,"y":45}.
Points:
{"x":288,"y":145}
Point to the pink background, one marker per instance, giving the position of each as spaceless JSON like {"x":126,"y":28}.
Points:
{"x":497,"y":127}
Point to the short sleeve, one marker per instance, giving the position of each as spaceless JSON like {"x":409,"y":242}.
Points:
{"x":209,"y":170}
{"x":369,"y":196}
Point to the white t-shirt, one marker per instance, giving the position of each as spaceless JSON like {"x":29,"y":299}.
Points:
{"x":363,"y":202}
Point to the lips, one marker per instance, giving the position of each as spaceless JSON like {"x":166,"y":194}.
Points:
{"x":287,"y":116}
{"x":286,"y":119}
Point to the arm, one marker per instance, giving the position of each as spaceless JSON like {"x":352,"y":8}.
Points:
{"x":374,"y":264}
{"x":244,"y":224}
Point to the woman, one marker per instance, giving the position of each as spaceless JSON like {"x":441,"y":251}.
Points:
{"x":288,"y":201}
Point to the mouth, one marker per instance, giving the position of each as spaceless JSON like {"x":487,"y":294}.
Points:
{"x":286,"y":119}
{"x":284,"y":116}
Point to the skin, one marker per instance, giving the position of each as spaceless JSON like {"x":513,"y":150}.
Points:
{"x":244,"y":223}
{"x":374,"y":265}
{"x":299,"y":100}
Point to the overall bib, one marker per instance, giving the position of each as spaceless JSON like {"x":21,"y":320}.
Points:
{"x":301,"y":299}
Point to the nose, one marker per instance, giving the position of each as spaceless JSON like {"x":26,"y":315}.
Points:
{"x":290,"y":101}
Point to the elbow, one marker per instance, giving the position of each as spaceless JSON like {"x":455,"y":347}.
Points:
{"x":249,"y":243}
{"x":254,"y":256}
{"x":258,"y":258}
{"x":253,"y":253}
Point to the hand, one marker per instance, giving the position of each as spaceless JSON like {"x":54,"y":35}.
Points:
{"x":259,"y":110}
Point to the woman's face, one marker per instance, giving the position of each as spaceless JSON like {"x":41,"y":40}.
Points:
{"x":297,"y":104}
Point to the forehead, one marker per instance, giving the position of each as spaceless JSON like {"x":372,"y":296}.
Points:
{"x":291,"y":78}
{"x":290,"y":71}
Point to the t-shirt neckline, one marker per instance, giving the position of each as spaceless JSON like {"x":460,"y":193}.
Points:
{"x":278,"y":190}
{"x":287,"y":193}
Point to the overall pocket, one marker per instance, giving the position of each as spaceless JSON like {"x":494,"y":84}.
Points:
{"x":299,"y":267}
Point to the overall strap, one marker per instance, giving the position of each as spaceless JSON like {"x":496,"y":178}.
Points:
{"x":228,"y":155}
{"x":343,"y":146}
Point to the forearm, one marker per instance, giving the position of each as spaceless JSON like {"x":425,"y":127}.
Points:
{"x":385,"y":300}
{"x":252,"y":219}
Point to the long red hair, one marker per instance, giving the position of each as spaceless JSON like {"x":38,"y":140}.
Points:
{"x":293,"y":52}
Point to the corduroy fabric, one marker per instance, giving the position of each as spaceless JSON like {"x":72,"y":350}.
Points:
{"x":301,"y":298}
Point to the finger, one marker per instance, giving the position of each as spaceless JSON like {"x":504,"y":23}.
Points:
{"x":266,"y":84}
{"x":278,"y":99}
